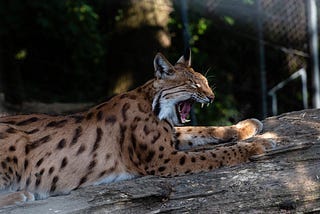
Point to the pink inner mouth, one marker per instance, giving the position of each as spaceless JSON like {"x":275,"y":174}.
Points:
{"x":184,"y":109}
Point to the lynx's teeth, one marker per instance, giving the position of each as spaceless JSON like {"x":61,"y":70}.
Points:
{"x":208,"y":104}
{"x":186,"y":121}
{"x":202,"y":104}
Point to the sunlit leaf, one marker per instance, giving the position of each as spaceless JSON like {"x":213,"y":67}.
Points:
{"x":21,"y":54}
{"x":229,"y":20}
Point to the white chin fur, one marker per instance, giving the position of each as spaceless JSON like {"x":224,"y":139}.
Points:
{"x":169,"y":114}
{"x":167,"y":110}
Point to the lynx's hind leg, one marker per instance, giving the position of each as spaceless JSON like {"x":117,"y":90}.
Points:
{"x":12,"y":162}
{"x":185,"y":162}
{"x":13,"y":198}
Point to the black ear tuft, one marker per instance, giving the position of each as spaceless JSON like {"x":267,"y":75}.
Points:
{"x":187,"y":54}
{"x":186,"y":58}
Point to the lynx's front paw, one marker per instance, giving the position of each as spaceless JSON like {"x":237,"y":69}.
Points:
{"x":248,"y":128}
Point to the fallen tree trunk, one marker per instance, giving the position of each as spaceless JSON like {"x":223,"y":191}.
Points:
{"x":282,"y":181}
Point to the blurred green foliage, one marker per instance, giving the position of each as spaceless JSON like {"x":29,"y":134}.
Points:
{"x":59,"y":47}
{"x":76,"y":51}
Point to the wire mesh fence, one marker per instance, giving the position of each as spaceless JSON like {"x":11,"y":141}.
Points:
{"x":285,"y":37}
{"x":285,"y":27}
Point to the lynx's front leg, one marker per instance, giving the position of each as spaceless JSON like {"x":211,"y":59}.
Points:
{"x":191,"y":136}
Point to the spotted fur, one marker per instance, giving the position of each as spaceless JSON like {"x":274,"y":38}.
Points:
{"x":130,"y":135}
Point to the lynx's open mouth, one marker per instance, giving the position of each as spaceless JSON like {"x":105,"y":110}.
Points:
{"x":183,"y":110}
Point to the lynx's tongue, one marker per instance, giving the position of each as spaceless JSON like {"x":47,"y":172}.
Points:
{"x":184,"y":109}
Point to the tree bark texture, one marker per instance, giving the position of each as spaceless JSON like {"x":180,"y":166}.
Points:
{"x":284,"y":181}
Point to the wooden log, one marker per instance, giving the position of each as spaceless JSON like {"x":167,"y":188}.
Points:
{"x":283,"y":181}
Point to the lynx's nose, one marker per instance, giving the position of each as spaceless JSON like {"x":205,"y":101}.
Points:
{"x":211,"y":98}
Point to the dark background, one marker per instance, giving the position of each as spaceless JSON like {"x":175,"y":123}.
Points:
{"x":86,"y":51}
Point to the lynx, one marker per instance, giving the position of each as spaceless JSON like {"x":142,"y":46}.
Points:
{"x":133,"y":134}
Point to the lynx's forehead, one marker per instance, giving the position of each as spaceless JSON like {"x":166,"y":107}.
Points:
{"x":185,"y":69}
{"x":190,"y":73}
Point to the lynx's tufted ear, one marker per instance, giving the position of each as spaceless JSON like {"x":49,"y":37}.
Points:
{"x":162,"y":66}
{"x":186,"y":58}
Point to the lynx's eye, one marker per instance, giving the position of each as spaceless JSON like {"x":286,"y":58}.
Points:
{"x":195,"y":85}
